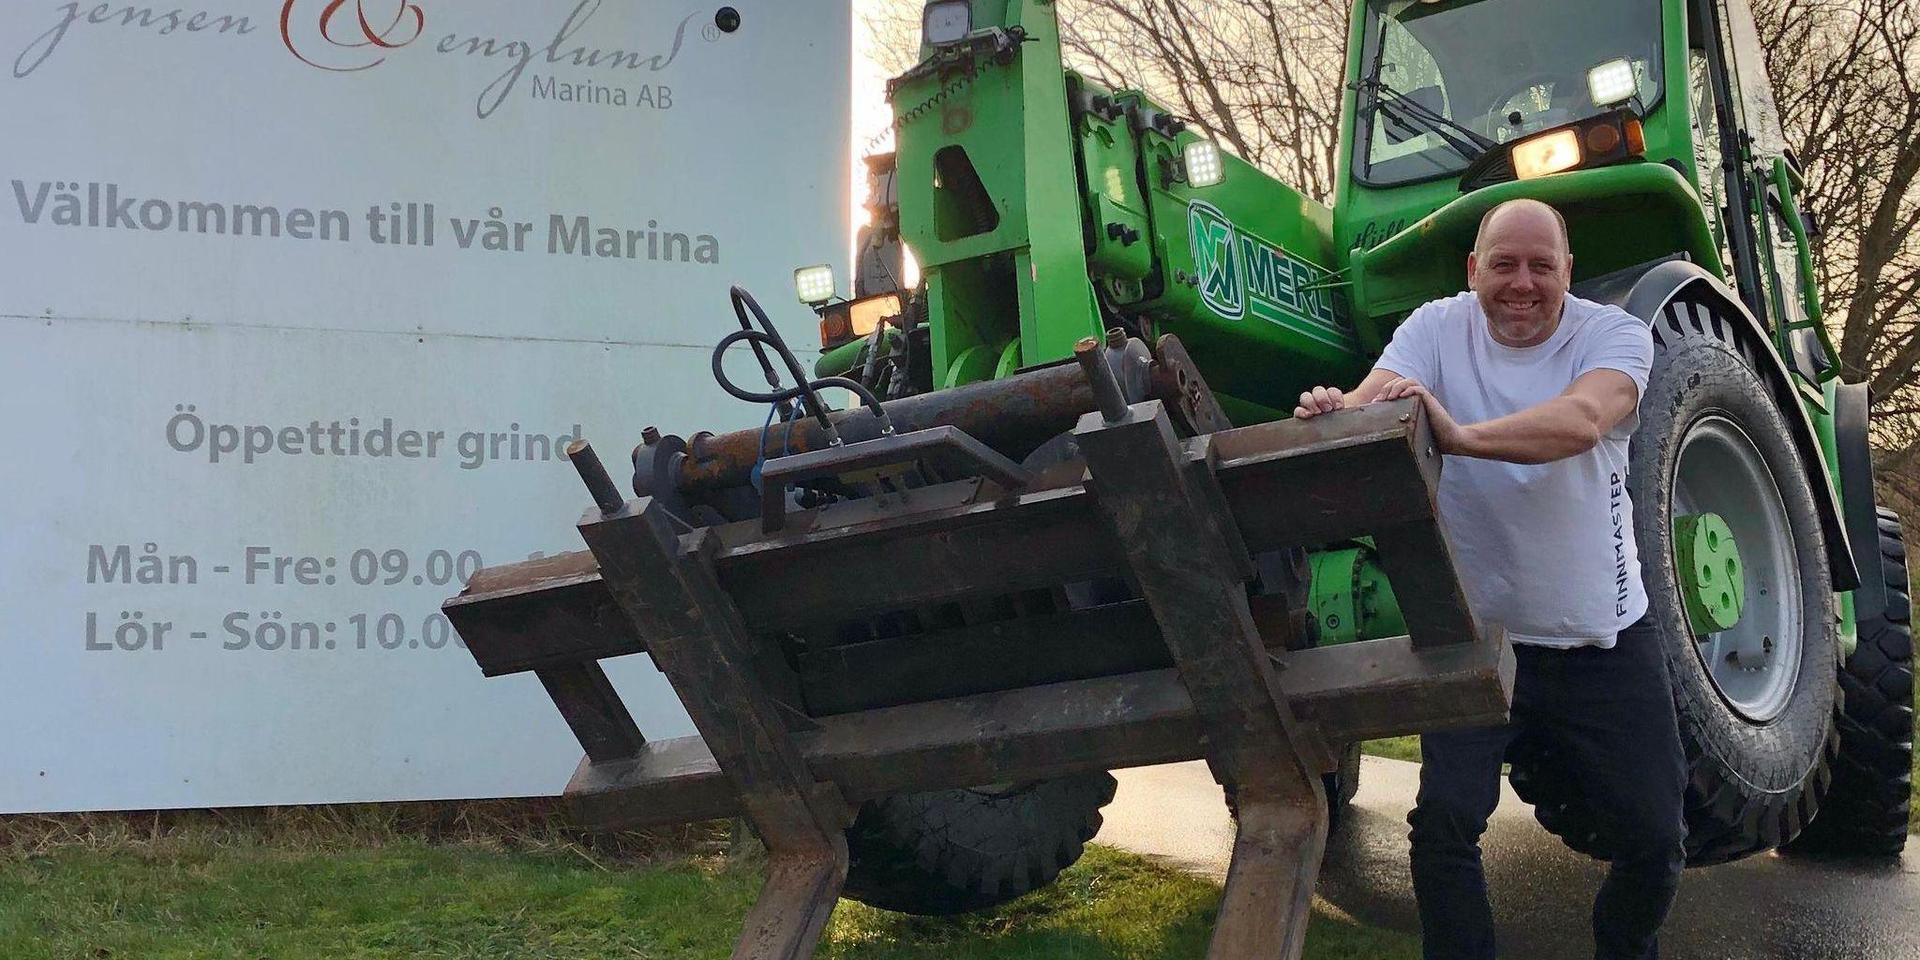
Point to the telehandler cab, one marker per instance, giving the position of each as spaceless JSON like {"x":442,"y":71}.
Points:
{"x":1069,"y":528}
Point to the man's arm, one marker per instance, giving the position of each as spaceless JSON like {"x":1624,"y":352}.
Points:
{"x":1565,"y":426}
{"x":1321,"y":400}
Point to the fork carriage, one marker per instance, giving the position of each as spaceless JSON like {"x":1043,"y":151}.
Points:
{"x":794,"y":736}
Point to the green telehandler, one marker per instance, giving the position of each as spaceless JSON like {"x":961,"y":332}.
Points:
{"x":1068,"y":525}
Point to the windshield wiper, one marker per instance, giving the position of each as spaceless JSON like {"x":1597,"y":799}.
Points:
{"x":1412,"y":113}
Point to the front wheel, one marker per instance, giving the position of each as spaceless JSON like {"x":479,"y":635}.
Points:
{"x":1752,"y":657}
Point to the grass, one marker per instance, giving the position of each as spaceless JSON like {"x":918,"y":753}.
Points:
{"x":1913,"y":799}
{"x":1394,"y":748}
{"x":363,"y":885}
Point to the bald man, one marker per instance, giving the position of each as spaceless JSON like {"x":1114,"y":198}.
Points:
{"x":1533,"y":395}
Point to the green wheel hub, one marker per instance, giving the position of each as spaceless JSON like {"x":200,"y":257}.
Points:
{"x":1712,"y":581}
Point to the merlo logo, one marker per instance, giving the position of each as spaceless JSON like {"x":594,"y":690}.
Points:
{"x":1241,"y":275}
{"x":1212,"y":236}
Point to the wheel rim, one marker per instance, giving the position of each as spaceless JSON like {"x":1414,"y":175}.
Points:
{"x":1755,"y":664}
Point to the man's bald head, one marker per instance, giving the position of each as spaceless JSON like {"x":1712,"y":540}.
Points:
{"x":1491,"y":224}
{"x":1520,"y":269}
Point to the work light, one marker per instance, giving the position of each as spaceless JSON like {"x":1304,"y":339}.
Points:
{"x":946,"y":22}
{"x":1611,"y":82}
{"x":814,"y":284}
{"x":1202,"y":160}
{"x":1547,"y":153}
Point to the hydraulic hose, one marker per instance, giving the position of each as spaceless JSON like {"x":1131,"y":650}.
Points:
{"x":782,"y":397}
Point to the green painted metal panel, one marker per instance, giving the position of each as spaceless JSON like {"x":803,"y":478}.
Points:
{"x":1249,"y":286}
{"x":1617,"y":217}
{"x":989,"y":197}
{"x":1349,"y":598}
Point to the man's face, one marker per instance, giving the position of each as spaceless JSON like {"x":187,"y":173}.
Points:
{"x":1521,"y":276}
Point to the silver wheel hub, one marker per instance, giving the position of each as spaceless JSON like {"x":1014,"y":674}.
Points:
{"x":1754,"y":664}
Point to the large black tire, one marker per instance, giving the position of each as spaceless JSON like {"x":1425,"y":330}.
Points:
{"x":1751,"y":785}
{"x":1866,"y":810}
{"x":953,"y":851}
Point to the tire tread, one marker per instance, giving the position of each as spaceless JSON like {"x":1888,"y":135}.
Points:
{"x":1869,"y":804}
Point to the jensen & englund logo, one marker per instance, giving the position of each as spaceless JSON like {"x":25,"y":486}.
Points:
{"x":361,"y":36}
{"x":350,"y":36}
{"x":1240,"y":274}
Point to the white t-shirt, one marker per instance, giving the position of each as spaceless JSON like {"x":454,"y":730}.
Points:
{"x":1545,"y":550}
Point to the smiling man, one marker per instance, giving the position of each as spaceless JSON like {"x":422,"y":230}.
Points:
{"x":1533,"y":396}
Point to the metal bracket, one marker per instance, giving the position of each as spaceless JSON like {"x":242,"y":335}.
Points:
{"x":942,"y":446}
{"x":669,"y":589}
{"x":1182,"y":548}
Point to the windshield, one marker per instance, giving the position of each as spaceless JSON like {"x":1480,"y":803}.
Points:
{"x":1433,"y":73}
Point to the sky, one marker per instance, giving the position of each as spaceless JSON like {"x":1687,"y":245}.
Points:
{"x":870,"y":112}
{"x":871,"y":116}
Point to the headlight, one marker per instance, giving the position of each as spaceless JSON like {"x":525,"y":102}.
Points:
{"x":851,"y":320}
{"x":814,"y":284}
{"x":1547,"y":153}
{"x":866,"y":315}
{"x":1614,"y":137}
{"x":1202,"y":160}
{"x":946,"y":22}
{"x":1611,"y":82}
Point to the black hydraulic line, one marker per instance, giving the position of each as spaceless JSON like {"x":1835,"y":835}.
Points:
{"x":910,"y":318}
{"x":874,"y":343}
{"x":766,"y":366}
{"x":767,"y":335}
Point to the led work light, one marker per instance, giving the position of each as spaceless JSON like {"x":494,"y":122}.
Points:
{"x":946,"y":22}
{"x":1611,"y":82}
{"x":814,"y":284}
{"x":1202,"y":160}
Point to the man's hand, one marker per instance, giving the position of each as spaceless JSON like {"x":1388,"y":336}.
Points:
{"x":1319,"y":400}
{"x":1448,"y":436}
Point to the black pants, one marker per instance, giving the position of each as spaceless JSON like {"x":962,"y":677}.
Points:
{"x":1611,"y":713}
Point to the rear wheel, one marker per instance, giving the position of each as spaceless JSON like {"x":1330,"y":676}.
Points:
{"x":1866,"y":810}
{"x":951,"y":851}
{"x":1756,"y":700}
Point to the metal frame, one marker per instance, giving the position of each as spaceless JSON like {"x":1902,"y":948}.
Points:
{"x":1177,"y":517}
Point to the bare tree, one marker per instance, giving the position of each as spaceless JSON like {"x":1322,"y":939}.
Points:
{"x":892,"y":30}
{"x":1846,"y":74}
{"x":1260,"y":76}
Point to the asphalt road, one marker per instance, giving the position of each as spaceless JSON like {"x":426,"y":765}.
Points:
{"x":1762,"y":907}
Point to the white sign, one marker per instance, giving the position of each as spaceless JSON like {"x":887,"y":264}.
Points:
{"x":301,"y":302}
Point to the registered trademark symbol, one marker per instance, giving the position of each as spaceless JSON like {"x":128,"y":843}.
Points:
{"x":725,"y":20}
